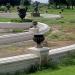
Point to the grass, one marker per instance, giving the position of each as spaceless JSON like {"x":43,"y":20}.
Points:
{"x":5,"y":20}
{"x":14,"y":20}
{"x":70,"y":70}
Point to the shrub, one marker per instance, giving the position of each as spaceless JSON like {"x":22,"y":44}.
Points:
{"x":2,"y":8}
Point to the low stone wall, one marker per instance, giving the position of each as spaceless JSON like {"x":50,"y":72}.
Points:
{"x":9,"y":15}
{"x":9,"y":25}
{"x":13,"y":38}
{"x":18,"y":63}
{"x":56,"y":54}
{"x":25,"y":36}
{"x":23,"y":62}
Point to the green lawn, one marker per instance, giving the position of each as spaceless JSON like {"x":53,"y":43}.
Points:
{"x":62,"y":71}
{"x":9,"y":20}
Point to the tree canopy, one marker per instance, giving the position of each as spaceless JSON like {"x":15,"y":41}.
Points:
{"x":68,"y":3}
{"x":12,"y":2}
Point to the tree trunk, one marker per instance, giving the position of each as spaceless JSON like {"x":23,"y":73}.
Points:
{"x":72,"y":7}
{"x":68,"y":7}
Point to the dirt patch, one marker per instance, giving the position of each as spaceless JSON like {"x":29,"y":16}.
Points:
{"x":16,"y":49}
{"x":69,"y":40}
{"x":22,"y":48}
{"x":55,"y":27}
{"x":56,"y":44}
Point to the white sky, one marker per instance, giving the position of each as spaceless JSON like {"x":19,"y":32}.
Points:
{"x":42,"y":1}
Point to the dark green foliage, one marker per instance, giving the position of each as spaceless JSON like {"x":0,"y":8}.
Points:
{"x":8,"y":6}
{"x":25,"y":2}
{"x":59,"y":3}
{"x":12,"y":2}
{"x":2,"y":8}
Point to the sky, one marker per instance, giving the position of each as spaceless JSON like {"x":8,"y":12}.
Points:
{"x":42,"y":1}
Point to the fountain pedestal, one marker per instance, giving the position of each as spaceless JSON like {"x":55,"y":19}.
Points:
{"x":39,"y":50}
{"x":43,"y":54}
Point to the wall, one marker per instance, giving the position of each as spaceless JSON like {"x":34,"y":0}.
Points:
{"x":9,"y":25}
{"x":25,"y":36}
{"x":12,"y":64}
{"x":17,"y":63}
{"x":57,"y":54}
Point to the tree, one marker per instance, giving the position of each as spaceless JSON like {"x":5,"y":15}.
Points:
{"x":12,"y":2}
{"x":50,"y":2}
{"x":8,"y":6}
{"x":72,"y":3}
{"x":25,"y":2}
{"x":59,"y":3}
